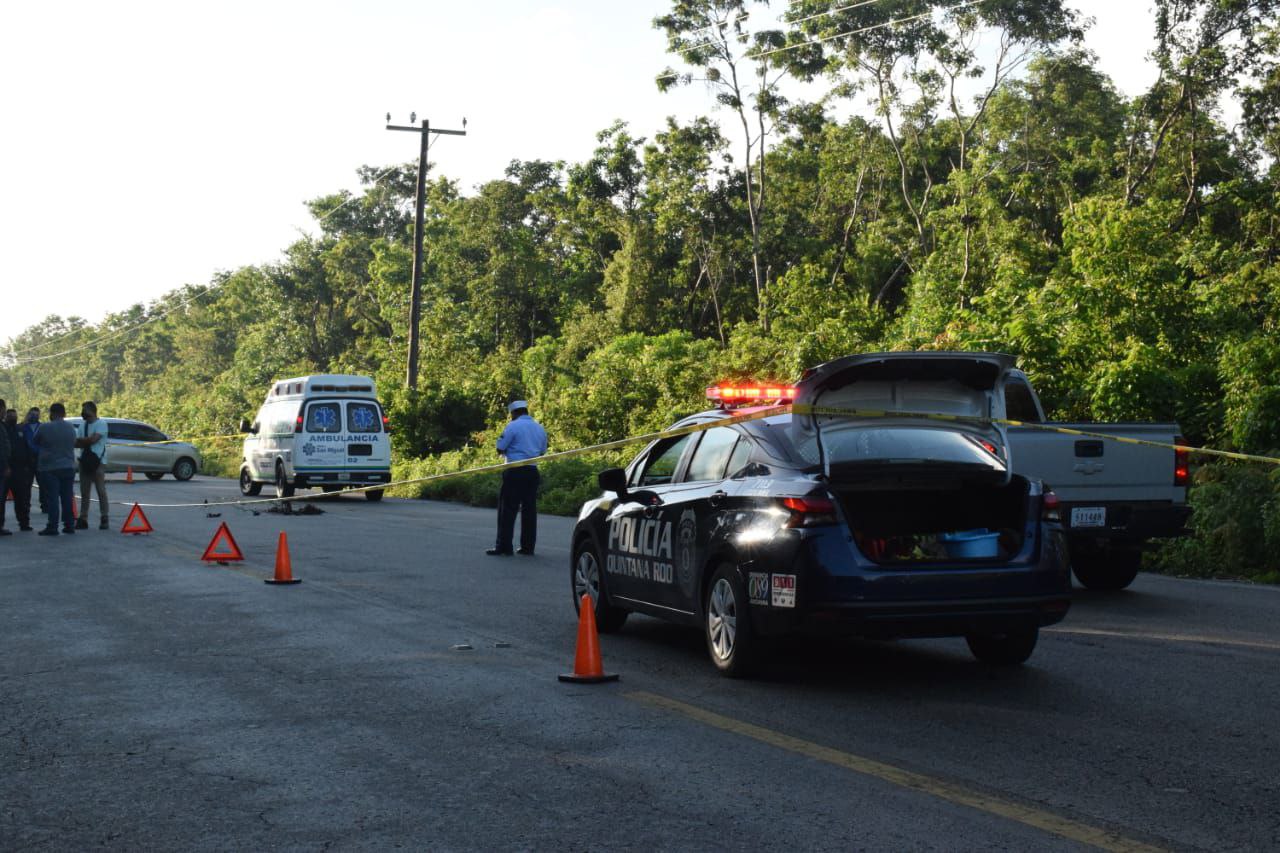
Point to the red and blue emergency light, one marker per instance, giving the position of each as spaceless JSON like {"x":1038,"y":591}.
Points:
{"x":727,"y":395}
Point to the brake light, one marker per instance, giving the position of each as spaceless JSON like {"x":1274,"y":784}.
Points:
{"x":297,"y":427}
{"x":1050,"y":507}
{"x":386,"y":424}
{"x":772,"y":393}
{"x":810,"y":512}
{"x":1181,"y":463}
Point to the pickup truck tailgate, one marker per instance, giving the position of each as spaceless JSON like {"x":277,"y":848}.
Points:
{"x":1091,"y":469}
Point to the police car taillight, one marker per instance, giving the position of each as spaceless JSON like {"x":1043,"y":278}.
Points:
{"x":1181,"y":464}
{"x":810,"y":512}
{"x":1050,"y":507}
{"x":740,"y":394}
{"x":386,"y":424}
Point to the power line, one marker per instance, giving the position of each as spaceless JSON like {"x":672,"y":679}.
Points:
{"x":21,"y":359}
{"x":853,"y":32}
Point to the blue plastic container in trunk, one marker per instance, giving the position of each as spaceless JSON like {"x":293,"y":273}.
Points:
{"x":971,"y":544}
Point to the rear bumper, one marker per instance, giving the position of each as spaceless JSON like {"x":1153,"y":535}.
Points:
{"x":839,"y":591}
{"x":1132,"y":520}
{"x":304,"y":479}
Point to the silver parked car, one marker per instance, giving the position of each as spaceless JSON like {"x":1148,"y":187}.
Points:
{"x":130,"y":444}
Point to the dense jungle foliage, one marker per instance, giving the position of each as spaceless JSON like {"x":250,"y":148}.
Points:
{"x":968,"y":180}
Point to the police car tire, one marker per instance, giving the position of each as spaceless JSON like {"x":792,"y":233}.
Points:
{"x":373,"y":495}
{"x":744,"y":655}
{"x":154,"y":475}
{"x":248,"y":487}
{"x":1105,"y":570}
{"x":609,"y":619}
{"x":1008,"y":649}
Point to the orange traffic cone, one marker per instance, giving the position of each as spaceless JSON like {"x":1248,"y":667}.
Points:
{"x":284,"y":566}
{"x":588,"y":668}
{"x":128,"y":474}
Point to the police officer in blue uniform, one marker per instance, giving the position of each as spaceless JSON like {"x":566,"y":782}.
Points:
{"x":524,"y":438}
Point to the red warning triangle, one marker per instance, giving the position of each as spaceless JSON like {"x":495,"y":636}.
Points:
{"x":136,"y":522}
{"x":223,"y":547}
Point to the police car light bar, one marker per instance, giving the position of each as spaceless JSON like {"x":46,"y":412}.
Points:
{"x":727,"y":394}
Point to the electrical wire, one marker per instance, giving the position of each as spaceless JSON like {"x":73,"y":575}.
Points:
{"x":22,"y":359}
{"x":854,"y":32}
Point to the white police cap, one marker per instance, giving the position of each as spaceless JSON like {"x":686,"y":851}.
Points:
{"x":517,"y":404}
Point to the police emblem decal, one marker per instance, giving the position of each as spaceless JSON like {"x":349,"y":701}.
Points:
{"x":686,"y":537}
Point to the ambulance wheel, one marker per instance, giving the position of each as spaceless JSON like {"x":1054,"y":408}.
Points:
{"x":248,"y":487}
{"x":587,"y":578}
{"x":284,"y":489}
{"x":727,"y":625}
{"x":154,"y":475}
{"x":373,"y":495}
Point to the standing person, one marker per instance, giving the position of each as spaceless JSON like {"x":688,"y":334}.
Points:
{"x":29,"y":428}
{"x":56,"y":469}
{"x":93,"y":456}
{"x":524,"y":438}
{"x":4,"y":468}
{"x":22,"y":468}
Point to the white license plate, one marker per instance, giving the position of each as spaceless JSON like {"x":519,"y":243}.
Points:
{"x":1089,"y":516}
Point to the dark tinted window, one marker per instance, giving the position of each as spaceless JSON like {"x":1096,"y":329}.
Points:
{"x":324,"y":417}
{"x":738,"y":460}
{"x":663,"y":459}
{"x":124,"y":432}
{"x":147,"y":433}
{"x":1018,"y":402}
{"x":363,"y":417}
{"x":711,"y":456}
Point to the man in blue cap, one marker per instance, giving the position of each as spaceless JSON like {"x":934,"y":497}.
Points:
{"x":524,"y":438}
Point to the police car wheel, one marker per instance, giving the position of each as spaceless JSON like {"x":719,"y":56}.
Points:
{"x":248,"y":488}
{"x":1008,"y":649}
{"x":727,"y":623}
{"x":284,"y":489}
{"x":587,"y":579}
{"x":373,"y":495}
{"x":184,"y":469}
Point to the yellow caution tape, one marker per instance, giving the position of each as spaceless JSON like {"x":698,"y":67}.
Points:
{"x":881,"y":413}
{"x":498,"y":466}
{"x":737,"y":419}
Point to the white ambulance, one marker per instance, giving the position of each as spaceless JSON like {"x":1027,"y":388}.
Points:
{"x":326,"y":431}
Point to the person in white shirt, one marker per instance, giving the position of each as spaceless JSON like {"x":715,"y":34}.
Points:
{"x":523,"y":438}
{"x":92,"y":442}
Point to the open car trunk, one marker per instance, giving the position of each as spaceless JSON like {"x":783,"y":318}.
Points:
{"x":947,"y":520}
{"x":903,"y":416}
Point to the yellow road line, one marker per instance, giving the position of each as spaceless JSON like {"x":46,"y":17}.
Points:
{"x":1037,"y":818}
{"x":1172,"y":638}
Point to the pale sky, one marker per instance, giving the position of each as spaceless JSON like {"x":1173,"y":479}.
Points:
{"x":146,"y":145}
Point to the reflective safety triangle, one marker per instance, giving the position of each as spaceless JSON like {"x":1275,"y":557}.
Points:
{"x":223,"y":547}
{"x":136,"y":522}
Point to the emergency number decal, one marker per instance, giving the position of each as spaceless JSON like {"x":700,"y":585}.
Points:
{"x":784,"y":590}
{"x":758,"y":587}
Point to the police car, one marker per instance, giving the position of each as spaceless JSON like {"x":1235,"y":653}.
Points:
{"x":767,"y":522}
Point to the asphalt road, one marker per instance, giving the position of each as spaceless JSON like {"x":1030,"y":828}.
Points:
{"x":148,"y":701}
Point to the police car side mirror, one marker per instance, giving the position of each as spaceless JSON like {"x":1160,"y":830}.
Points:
{"x":613,"y":480}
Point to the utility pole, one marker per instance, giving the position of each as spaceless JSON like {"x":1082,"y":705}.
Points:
{"x":415,"y":298}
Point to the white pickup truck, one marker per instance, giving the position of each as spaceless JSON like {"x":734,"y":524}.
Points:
{"x":1116,"y":497}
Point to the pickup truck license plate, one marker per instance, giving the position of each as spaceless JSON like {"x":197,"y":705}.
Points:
{"x":1089,"y":516}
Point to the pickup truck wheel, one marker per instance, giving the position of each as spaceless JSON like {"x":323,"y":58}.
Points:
{"x":1008,"y":649}
{"x":1106,"y":570}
